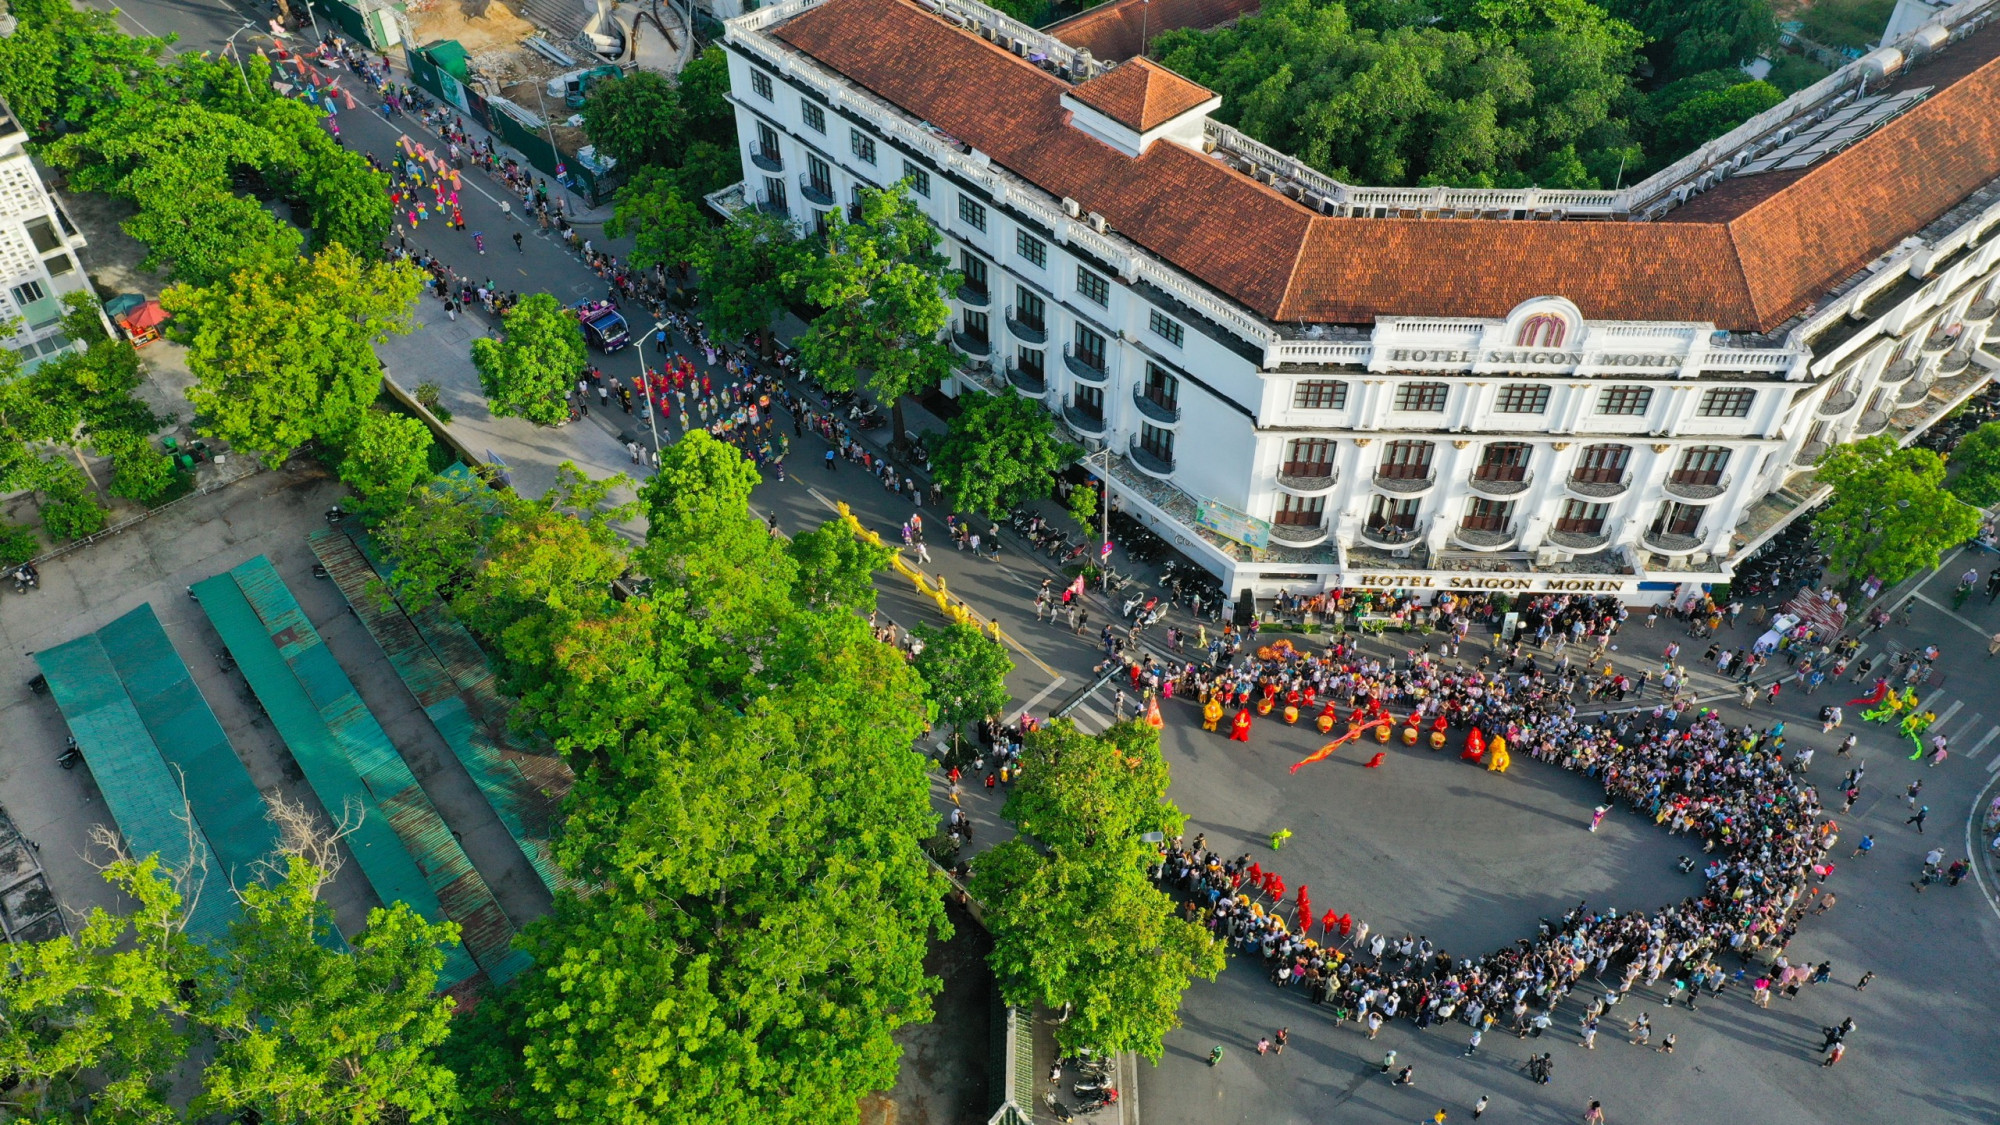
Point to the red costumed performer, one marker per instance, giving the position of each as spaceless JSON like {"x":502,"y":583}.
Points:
{"x":1239,"y":731}
{"x":1374,"y":761}
{"x":1475,"y":745}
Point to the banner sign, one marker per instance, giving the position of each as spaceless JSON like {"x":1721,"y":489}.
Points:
{"x":1230,"y":523}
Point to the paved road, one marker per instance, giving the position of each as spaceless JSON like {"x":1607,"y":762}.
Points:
{"x":1462,"y":857}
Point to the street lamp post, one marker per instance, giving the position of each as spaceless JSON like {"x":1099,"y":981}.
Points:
{"x":229,"y":45}
{"x":646,"y":392}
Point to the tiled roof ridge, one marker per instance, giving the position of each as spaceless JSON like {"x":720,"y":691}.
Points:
{"x":1141,"y":94}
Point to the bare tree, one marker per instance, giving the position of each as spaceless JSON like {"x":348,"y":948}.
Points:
{"x":301,"y":833}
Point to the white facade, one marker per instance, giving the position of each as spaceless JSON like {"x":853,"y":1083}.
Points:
{"x":1542,"y":451}
{"x":38,"y":261}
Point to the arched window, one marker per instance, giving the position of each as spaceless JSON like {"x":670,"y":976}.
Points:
{"x":1503,"y":461}
{"x":1702,"y":464}
{"x":1406,"y":460}
{"x":1602,"y":464}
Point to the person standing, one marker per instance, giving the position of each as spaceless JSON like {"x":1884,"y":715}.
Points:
{"x":1597,"y":816}
{"x":1284,"y":1033}
{"x":1918,"y":819}
{"x":1595,"y":1114}
{"x":1473,"y":1045}
{"x":1479,"y":1107}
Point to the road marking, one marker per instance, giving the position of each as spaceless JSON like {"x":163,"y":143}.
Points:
{"x":1043,"y":694}
{"x":1928,"y":700}
{"x":1956,"y":704}
{"x":1084,"y":711}
{"x":1984,"y":743}
{"x":1967,"y":622}
{"x":1977,"y":853}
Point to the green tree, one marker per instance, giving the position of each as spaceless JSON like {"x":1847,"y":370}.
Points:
{"x":666,"y":229}
{"x":1076,"y":923}
{"x":105,"y":1001}
{"x":964,"y":673}
{"x":1083,"y":507}
{"x":283,"y":351}
{"x":881,"y":287}
{"x":1710,"y":114}
{"x":1688,"y":38}
{"x":139,"y":471}
{"x":836,"y":568}
{"x":1975,"y":466}
{"x":1000,"y":452}
{"x":704,"y":90}
{"x":307,"y":1032}
{"x":384,"y":461}
{"x":64,"y":64}
{"x":529,"y":371}
{"x":636,"y":119}
{"x":439,"y":540}
{"x":745,"y":273}
{"x":70,"y":509}
{"x":1890,"y":515}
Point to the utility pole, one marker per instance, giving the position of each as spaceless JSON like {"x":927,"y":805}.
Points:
{"x":646,"y":393}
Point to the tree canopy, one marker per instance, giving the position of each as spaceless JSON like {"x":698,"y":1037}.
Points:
{"x":749,"y":268}
{"x":1493,"y":93}
{"x":386,"y":458}
{"x":1890,"y":515}
{"x":965,"y":672}
{"x":283,"y":349}
{"x":530,"y":370}
{"x":1000,"y":452}
{"x":747,"y":813}
{"x":1975,"y":466}
{"x":881,"y":289}
{"x":1076,"y":922}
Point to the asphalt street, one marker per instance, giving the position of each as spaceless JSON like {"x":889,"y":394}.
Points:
{"x":1423,"y":845}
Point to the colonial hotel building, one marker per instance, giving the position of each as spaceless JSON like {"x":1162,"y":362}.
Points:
{"x":1302,"y":382}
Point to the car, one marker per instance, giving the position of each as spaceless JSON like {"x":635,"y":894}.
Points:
{"x":604,"y":327}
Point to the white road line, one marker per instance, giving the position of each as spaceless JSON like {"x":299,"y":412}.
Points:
{"x":1972,"y":849}
{"x":1956,"y":704}
{"x":1928,"y":700}
{"x":1994,"y":765}
{"x":1043,"y":694}
{"x":1953,"y":614}
{"x":1096,"y":720}
{"x":1982,"y":744}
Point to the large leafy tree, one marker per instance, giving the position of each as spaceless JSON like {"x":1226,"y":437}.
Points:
{"x":747,"y":813}
{"x":1975,"y":467}
{"x":1690,"y":36}
{"x":837,"y":568}
{"x":530,"y":370}
{"x":1890,"y":515}
{"x":666,"y":228}
{"x":636,"y":119}
{"x":1076,"y":923}
{"x":384,"y":460}
{"x":63,"y":64}
{"x":283,"y":350}
{"x":307,"y":1032}
{"x":1709,"y":114}
{"x":1001,"y":451}
{"x":747,"y":271}
{"x":881,"y":289}
{"x":964,"y":672}
{"x":1473,"y":94}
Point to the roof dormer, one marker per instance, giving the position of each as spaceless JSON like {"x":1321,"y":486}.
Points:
{"x":1139,"y":102}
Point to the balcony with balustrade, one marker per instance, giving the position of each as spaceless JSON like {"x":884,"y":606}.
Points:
{"x":1300,"y":534}
{"x":974,"y":296}
{"x":1477,"y":536}
{"x":1671,"y":542}
{"x":1028,"y":332}
{"x":815,"y":191}
{"x":1157,"y":408}
{"x":1500,"y":482}
{"x":1898,"y":371}
{"x":1149,"y":462}
{"x":1581,"y":538}
{"x":1308,"y":478}
{"x":768,"y":159}
{"x":1392,"y":537}
{"x":975,"y":344}
{"x":1598,"y":486}
{"x":1027,"y":382}
{"x":1695,"y":485}
{"x":1402,"y":482}
{"x":1838,"y":403}
{"x":1087,"y":366}
{"x":1082,"y":422}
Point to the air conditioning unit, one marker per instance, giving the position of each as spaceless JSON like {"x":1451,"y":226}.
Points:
{"x":1097,"y":222}
{"x":1549,"y":556}
{"x":1071,"y":207}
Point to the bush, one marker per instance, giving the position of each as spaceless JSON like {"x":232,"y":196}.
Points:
{"x":18,"y":544}
{"x":73,"y":519}
{"x":139,"y":472}
{"x":431,"y":397}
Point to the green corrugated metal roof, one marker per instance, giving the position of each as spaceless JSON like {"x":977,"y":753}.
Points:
{"x":457,"y":885}
{"x":144,"y":797}
{"x":227,"y":804}
{"x":448,"y":673}
{"x":375,"y":844}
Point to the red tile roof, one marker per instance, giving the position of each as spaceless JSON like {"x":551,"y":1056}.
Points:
{"x":1747,"y":255}
{"x":1119,"y":30}
{"x":1141,"y":94}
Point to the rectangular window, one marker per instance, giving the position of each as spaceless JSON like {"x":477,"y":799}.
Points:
{"x":977,"y":327}
{"x":761,"y":82}
{"x":1581,"y":517}
{"x":1727,"y":402}
{"x":1093,"y":287}
{"x":767,"y":143}
{"x":1624,"y":400}
{"x":819,"y":177}
{"x":1090,"y":401}
{"x":822,"y":220}
{"x":815,"y":116}
{"x":1090,"y":349}
{"x":1522,"y":398}
{"x":1031,"y":249}
{"x":1487,"y":515}
{"x":920,"y":180}
{"x":1299,"y":511}
{"x":1030,"y":309}
{"x":774,"y":194}
{"x":1427,"y":398}
{"x":1161,"y":389}
{"x":28,"y":292}
{"x":59,"y":265}
{"x":1394,"y":516}
{"x":1032,"y":362}
{"x":1166,"y":329}
{"x":971,"y":212}
{"x":862,"y":144}
{"x":973,"y":270}
{"x":1158,"y":442}
{"x":1320,"y":394}
{"x":1309,"y":457}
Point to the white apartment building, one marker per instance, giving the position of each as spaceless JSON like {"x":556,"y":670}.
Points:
{"x":1303,"y":383}
{"x":38,"y":246}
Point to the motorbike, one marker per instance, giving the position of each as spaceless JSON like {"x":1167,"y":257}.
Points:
{"x":868,"y":419}
{"x":26,"y":578}
{"x":71,"y":755}
{"x":1091,"y":1103}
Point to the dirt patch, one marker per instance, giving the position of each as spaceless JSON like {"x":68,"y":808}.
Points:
{"x":945,"y":1078}
{"x":498,"y":29}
